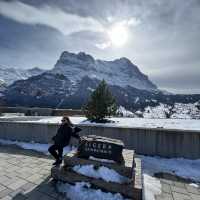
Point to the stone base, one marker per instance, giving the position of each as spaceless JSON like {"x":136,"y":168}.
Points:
{"x":125,"y":169}
{"x":131,"y":190}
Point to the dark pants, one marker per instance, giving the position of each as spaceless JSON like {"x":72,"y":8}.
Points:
{"x":56,"y":151}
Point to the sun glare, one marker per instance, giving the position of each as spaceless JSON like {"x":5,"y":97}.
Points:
{"x":118,"y":35}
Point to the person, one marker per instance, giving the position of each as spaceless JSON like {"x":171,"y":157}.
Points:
{"x":62,"y":139}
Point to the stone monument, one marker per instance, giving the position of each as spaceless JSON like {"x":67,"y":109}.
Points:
{"x":99,"y":151}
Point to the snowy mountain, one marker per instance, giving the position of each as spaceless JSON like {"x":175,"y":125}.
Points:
{"x":10,"y":75}
{"x":120,"y":72}
{"x":56,"y":90}
{"x":75,"y":76}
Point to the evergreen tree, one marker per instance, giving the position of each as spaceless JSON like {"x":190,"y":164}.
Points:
{"x":101,"y":104}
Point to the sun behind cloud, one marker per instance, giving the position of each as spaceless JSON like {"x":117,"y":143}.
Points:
{"x":118,"y":34}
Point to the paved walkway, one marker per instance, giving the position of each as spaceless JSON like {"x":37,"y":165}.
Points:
{"x":178,"y":190}
{"x":25,"y":174}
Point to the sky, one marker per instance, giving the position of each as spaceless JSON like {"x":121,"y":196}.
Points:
{"x":161,"y":37}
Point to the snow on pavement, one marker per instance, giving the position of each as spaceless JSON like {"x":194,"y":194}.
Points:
{"x":178,"y":166}
{"x":109,"y":175}
{"x":185,"y":168}
{"x":35,"y":146}
{"x":82,"y":191}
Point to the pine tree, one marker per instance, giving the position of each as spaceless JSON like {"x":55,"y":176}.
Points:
{"x":101,"y":104}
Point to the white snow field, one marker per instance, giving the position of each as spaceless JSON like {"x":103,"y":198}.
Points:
{"x":82,"y":191}
{"x":182,"y":167}
{"x":35,"y":146}
{"x":109,"y":175}
{"x":180,"y":124}
{"x":178,"y":166}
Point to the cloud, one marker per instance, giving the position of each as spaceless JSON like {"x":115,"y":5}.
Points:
{"x":103,"y":45}
{"x":50,"y":16}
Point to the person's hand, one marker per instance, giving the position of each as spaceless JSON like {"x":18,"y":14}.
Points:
{"x":77,"y":129}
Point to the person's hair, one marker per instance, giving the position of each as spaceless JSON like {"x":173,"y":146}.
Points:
{"x":68,"y":120}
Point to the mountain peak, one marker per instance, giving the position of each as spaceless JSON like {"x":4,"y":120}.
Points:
{"x":120,"y":72}
{"x":124,"y":59}
{"x":85,"y":57}
{"x":81,"y":56}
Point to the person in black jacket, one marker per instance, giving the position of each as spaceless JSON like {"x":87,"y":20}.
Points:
{"x":62,"y":139}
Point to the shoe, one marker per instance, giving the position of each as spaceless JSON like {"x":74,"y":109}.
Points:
{"x":58,"y":162}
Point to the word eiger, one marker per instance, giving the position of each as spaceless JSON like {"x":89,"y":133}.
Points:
{"x":98,"y":147}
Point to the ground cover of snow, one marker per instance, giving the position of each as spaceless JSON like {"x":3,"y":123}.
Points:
{"x":184,"y":168}
{"x":180,"y":124}
{"x":35,"y":146}
{"x":101,"y":159}
{"x":82,"y":191}
{"x":109,"y":175}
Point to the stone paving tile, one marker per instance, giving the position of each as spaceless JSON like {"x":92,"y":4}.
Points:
{"x":164,"y":196}
{"x":179,"y":184}
{"x":180,"y":196}
{"x":5,"y":192}
{"x":179,"y":190}
{"x":2,"y":187}
{"x":17,"y":184}
{"x":166,"y":188}
{"x":193,"y":190}
{"x":7,"y":198}
{"x":195,"y":197}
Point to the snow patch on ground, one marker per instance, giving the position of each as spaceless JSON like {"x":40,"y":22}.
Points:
{"x":35,"y":146}
{"x":180,"y":124}
{"x":101,"y":160}
{"x":184,"y":168}
{"x":109,"y":175}
{"x":194,"y":185}
{"x":178,"y":166}
{"x":82,"y":191}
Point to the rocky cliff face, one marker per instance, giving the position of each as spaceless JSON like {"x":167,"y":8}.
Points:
{"x":120,"y":72}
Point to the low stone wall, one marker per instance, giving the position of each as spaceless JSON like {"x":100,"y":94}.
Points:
{"x":161,"y":142}
{"x":35,"y":111}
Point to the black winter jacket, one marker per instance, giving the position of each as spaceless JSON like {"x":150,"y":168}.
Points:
{"x":64,"y":133}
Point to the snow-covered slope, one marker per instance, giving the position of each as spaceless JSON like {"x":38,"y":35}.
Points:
{"x":2,"y":85}
{"x":176,"y":111}
{"x":120,"y":72}
{"x":10,"y":75}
